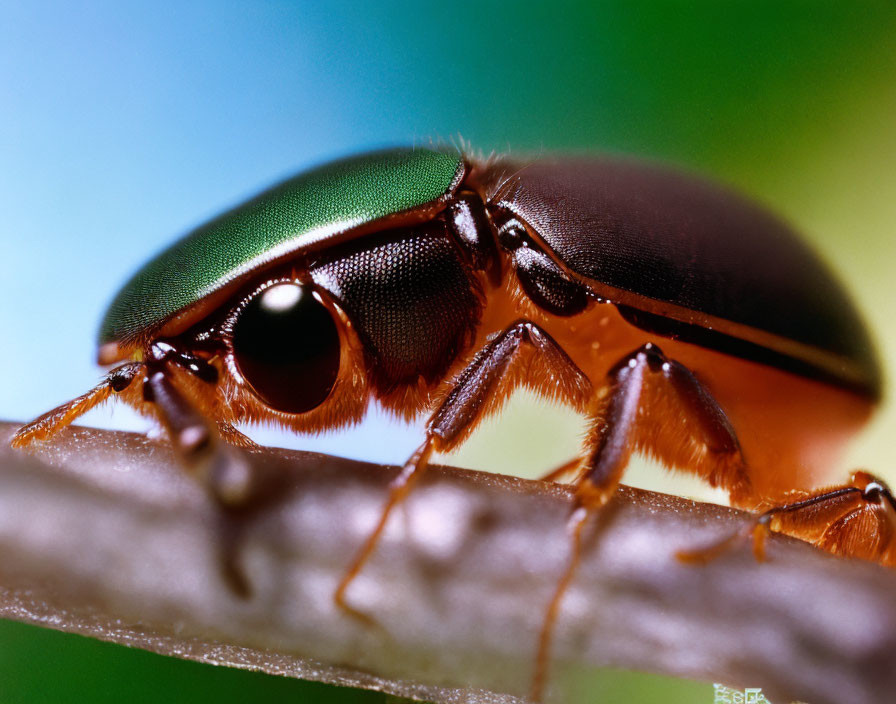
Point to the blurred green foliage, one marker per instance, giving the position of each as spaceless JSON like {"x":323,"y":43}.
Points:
{"x":40,"y":665}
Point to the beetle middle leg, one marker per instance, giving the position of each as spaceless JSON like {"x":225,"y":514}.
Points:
{"x":636,"y":383}
{"x":481,"y":387}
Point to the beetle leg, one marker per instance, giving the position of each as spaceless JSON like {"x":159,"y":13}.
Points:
{"x":867,"y":532}
{"x":729,"y":468}
{"x":487,"y":381}
{"x":189,"y":432}
{"x":194,"y":440}
{"x":857,"y":519}
{"x":483,"y":384}
{"x":399,"y":488}
{"x":234,"y":437}
{"x":53,"y":421}
{"x":616,"y":429}
{"x":635,"y":386}
{"x":562,"y":471}
{"x":597,"y":484}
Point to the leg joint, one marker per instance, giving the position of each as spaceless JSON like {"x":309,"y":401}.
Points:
{"x":121,"y":377}
{"x":161,"y":352}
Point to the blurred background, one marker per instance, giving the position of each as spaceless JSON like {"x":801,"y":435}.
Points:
{"x":123,"y":125}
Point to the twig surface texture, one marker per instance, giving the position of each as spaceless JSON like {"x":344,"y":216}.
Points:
{"x":102,"y":534}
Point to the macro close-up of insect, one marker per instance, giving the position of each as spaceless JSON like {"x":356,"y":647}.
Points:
{"x":678,"y":318}
{"x":367,"y":353}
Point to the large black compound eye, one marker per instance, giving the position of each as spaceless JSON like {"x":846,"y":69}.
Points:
{"x":286,"y":346}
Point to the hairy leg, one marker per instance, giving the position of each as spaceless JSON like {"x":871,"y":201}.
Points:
{"x":617,"y":429}
{"x":478,"y":389}
{"x":53,"y":421}
{"x":857,"y":519}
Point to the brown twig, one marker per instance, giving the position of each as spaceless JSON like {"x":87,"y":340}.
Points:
{"x":101,"y":534}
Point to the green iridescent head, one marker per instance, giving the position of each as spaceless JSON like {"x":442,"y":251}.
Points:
{"x":301,"y":212}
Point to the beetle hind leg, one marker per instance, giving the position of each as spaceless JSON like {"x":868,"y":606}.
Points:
{"x":857,"y":519}
{"x":53,"y":421}
{"x":868,"y":531}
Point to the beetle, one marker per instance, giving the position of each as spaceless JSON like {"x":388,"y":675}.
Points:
{"x":681,"y":319}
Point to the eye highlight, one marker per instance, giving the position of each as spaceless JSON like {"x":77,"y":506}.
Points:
{"x":286,"y":347}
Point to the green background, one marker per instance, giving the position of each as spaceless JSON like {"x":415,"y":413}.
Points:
{"x":125,"y":124}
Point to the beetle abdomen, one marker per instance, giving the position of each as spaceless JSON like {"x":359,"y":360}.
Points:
{"x":672,"y":245}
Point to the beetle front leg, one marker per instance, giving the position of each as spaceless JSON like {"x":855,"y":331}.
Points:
{"x":479,"y":389}
{"x":221,"y":470}
{"x":53,"y":421}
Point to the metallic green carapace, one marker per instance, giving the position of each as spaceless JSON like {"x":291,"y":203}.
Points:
{"x":299,"y":212}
